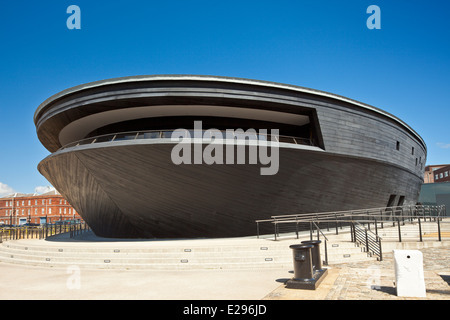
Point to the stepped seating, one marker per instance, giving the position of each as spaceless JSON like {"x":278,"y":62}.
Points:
{"x":88,"y":251}
{"x":244,"y":253}
{"x":176,"y":254}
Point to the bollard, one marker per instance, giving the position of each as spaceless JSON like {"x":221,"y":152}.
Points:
{"x":305,"y":276}
{"x":303,"y":267}
{"x":315,"y":251}
{"x":409,"y":275}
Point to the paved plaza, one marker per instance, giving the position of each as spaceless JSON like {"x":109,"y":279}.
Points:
{"x":367,"y":280}
{"x":370,"y":280}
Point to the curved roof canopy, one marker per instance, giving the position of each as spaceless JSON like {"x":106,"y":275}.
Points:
{"x":71,"y":113}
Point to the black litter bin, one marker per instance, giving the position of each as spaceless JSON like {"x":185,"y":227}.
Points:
{"x":303,"y":268}
{"x":315,"y":251}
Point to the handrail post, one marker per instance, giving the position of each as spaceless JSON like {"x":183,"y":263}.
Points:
{"x":439,"y":229}
{"x":420,"y":229}
{"x":381,"y":218}
{"x":352,"y":230}
{"x":337,"y":232}
{"x":257,"y":230}
{"x":379,"y":245}
{"x":399,"y":230}
{"x":367,"y":241}
{"x":275,"y":231}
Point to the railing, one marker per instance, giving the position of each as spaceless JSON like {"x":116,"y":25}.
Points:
{"x":42,"y":232}
{"x":318,"y":238}
{"x":370,"y":241}
{"x":203,"y":134}
{"x":338,"y":219}
{"x":364,"y":225}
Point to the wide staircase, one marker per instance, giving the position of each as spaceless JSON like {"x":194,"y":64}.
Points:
{"x":339,"y":244}
{"x":86,"y":251}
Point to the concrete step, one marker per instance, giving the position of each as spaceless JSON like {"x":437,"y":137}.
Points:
{"x":177,"y":254}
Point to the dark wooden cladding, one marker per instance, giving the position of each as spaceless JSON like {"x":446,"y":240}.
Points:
{"x":136,"y":191}
{"x":363,"y":156}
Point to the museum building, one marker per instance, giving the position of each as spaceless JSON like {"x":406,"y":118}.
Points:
{"x":112,"y":146}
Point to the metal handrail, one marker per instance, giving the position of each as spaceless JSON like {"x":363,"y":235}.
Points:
{"x":42,"y":231}
{"x":325,"y":243}
{"x":370,"y":240}
{"x":438,"y":209}
{"x":415,"y":215}
{"x":164,"y":134}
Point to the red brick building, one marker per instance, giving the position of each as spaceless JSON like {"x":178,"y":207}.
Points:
{"x":18,"y":209}
{"x":432,"y":172}
{"x":442,"y":174}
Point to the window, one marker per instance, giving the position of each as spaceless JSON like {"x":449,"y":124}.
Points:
{"x":412,"y":151}
{"x":391,"y":200}
{"x":436,"y":176}
{"x":398,"y":145}
{"x":29,"y":202}
{"x":446,"y":174}
{"x":49,"y":201}
{"x":441,"y":175}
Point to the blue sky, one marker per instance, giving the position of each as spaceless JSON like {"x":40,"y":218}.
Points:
{"x":403,"y":68}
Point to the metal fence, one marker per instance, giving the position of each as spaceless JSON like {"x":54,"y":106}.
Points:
{"x":43,"y":231}
{"x":336,"y":220}
{"x":367,"y":227}
{"x":370,"y":241}
{"x":206,"y":135}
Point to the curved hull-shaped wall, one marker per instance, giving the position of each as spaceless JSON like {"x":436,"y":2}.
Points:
{"x":346,"y":155}
{"x":136,"y":191}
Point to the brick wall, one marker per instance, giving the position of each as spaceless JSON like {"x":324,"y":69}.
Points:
{"x":35,"y":209}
